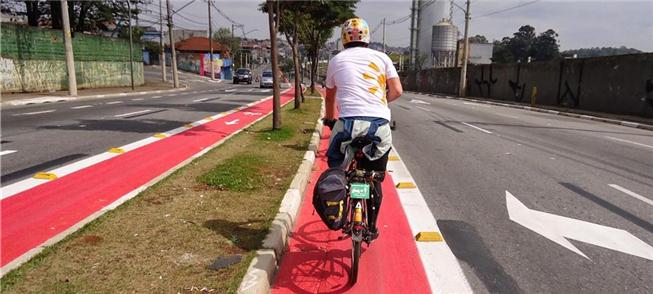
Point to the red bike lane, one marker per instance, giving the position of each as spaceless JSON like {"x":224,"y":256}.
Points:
{"x":317,"y":262}
{"x":34,"y":216}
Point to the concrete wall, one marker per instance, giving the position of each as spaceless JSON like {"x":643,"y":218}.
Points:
{"x":614,"y":84}
{"x":33,"y":60}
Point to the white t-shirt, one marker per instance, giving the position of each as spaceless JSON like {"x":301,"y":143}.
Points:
{"x":360,"y":74}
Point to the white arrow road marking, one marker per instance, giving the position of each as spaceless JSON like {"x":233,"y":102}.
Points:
{"x":559,"y":228}
{"x":132,"y":113}
{"x":5,"y":152}
{"x":233,"y":122}
{"x":631,"y":193}
{"x":473,"y":126}
{"x":251,"y":113}
{"x":417,"y":101}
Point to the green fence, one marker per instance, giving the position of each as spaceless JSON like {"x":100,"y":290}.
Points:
{"x":33,"y":59}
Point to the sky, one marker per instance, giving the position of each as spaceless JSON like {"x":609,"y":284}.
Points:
{"x":579,"y":23}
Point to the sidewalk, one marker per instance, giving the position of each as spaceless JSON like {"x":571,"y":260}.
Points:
{"x":151,"y":86}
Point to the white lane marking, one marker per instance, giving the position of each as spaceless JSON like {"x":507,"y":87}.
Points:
{"x":250,"y":90}
{"x":201,"y":100}
{"x":81,"y":106}
{"x":473,"y":126}
{"x":559,"y":228}
{"x":631,"y":193}
{"x":477,"y":104}
{"x":170,"y":95}
{"x":122,"y":94}
{"x":36,"y":112}
{"x":5,"y":152}
{"x":114,"y":102}
{"x":506,"y":115}
{"x":156,"y":97}
{"x":230,"y":90}
{"x":138,"y":99}
{"x":132,"y":113}
{"x":417,"y":101}
{"x":265,"y":90}
{"x":445,"y":275}
{"x":631,"y":142}
{"x":422,"y":108}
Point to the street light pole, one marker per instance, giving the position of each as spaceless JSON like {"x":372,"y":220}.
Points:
{"x":131,"y":49}
{"x":463,"y":72}
{"x":175,"y":77}
{"x":163,"y":53}
{"x":211,"y":41}
{"x":68,"y":42}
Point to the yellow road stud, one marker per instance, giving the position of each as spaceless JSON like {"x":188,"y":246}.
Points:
{"x":188,"y":126}
{"x":393,"y":158}
{"x":428,"y":237}
{"x":116,"y":150}
{"x":45,"y":176}
{"x":406,"y":185}
{"x":160,"y":135}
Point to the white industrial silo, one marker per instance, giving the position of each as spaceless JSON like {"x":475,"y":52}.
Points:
{"x":431,"y":12}
{"x":443,"y":44}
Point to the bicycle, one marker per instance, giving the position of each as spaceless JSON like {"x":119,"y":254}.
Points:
{"x":360,"y":191}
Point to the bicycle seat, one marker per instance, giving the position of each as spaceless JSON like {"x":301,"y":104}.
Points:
{"x":360,"y":142}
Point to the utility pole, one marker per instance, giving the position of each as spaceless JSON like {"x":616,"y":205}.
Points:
{"x":384,"y":35}
{"x":163,"y":53}
{"x":175,"y":76}
{"x":232,"y":30}
{"x":276,"y":101}
{"x":211,"y":42}
{"x":131,"y":47}
{"x":463,"y":71}
{"x":414,"y":23}
{"x":68,"y":42}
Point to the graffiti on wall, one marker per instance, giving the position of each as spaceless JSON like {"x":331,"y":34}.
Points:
{"x":567,"y":97}
{"x":485,"y":83}
{"x":516,"y":87}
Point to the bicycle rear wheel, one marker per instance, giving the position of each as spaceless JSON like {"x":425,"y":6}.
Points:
{"x":355,"y":260}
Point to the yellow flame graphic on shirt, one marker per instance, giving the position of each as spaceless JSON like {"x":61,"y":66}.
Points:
{"x":380,"y":79}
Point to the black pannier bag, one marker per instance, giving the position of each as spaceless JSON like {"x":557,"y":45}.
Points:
{"x":330,"y":198}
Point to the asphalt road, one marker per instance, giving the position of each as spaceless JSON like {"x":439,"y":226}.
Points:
{"x":45,"y":136}
{"x":465,"y":156}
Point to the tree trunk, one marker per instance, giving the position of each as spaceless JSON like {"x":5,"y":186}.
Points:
{"x":55,"y":15}
{"x":33,"y":13}
{"x":82,"y":16}
{"x":276,"y":100}
{"x":295,"y":60}
{"x":314,"y":68}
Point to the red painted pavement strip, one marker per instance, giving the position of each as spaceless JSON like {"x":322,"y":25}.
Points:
{"x":316,"y":262}
{"x":33,"y":216}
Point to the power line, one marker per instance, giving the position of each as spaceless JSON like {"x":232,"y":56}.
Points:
{"x":508,"y":9}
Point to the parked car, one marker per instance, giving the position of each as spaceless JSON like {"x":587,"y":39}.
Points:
{"x":266,"y":79}
{"x":243,"y":75}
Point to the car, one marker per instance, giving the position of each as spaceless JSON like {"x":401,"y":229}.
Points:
{"x":266,"y":79}
{"x":243,"y":75}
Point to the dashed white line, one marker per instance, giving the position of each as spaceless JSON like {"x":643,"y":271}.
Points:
{"x":36,"y":112}
{"x":132,"y":113}
{"x":631,"y":193}
{"x":5,"y":152}
{"x":631,"y":142}
{"x":156,"y":97}
{"x":506,"y":115}
{"x":114,"y":102}
{"x":422,"y":108}
{"x":473,"y":126}
{"x":230,"y":90}
{"x":81,"y":106}
{"x":201,"y":100}
{"x":138,"y":99}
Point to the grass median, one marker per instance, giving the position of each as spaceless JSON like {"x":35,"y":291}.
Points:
{"x":168,"y":238}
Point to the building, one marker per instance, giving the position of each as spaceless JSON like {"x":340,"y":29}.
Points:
{"x":193,"y":56}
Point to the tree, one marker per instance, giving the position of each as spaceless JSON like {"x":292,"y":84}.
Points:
{"x":501,"y":52}
{"x":596,"y":52}
{"x":321,"y":18}
{"x":520,"y":44}
{"x":478,"y":39}
{"x":273,"y":22}
{"x":545,"y":46}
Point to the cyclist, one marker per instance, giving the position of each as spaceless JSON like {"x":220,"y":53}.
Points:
{"x":362,"y":82}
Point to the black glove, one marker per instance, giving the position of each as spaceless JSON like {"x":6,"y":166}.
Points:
{"x":329,"y":122}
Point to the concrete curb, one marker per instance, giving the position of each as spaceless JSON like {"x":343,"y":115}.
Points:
{"x":550,"y":111}
{"x":53,"y":99}
{"x":260,"y":274}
